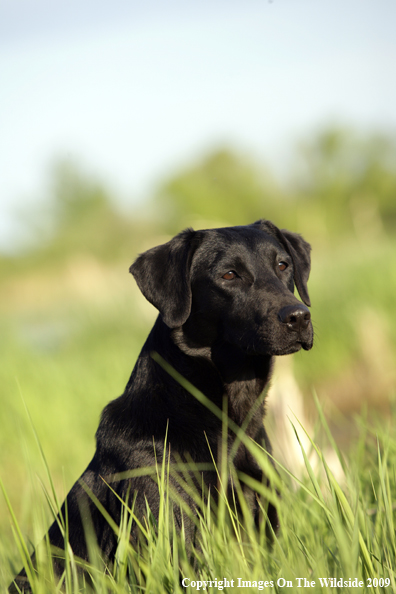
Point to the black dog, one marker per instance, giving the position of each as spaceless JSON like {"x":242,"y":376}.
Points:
{"x":226,"y":304}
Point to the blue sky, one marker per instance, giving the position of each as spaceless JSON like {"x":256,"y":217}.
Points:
{"x":132,"y":90}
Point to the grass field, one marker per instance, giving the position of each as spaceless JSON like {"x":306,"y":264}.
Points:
{"x":330,"y":531}
{"x":69,"y":341}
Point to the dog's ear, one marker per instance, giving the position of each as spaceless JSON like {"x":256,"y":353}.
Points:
{"x":300,"y":252}
{"x":163,"y":276}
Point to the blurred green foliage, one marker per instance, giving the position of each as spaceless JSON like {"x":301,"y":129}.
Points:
{"x":85,"y":219}
{"x":224,"y":188}
{"x":79,"y":216}
{"x":350,"y":181}
{"x":342,"y":184}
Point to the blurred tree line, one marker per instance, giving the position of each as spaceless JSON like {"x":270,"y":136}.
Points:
{"x":341,"y":185}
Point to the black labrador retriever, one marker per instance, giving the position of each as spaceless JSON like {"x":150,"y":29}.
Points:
{"x":226,"y":304}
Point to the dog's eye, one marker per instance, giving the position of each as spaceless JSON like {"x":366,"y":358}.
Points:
{"x":282,"y":266}
{"x":230,"y":275}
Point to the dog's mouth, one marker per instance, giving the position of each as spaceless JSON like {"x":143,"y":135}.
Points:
{"x":279,"y":349}
{"x":292,"y":348}
{"x":289,"y":345}
{"x":303,"y":343}
{"x":307,"y":346}
{"x":288,"y":350}
{"x":281,"y":342}
{"x":303,"y":339}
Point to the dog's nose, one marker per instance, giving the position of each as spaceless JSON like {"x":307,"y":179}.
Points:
{"x":296,"y":317}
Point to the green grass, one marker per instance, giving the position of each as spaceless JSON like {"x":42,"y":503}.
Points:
{"x":342,"y":529}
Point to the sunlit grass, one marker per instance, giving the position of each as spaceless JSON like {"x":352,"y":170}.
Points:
{"x":330,"y":528}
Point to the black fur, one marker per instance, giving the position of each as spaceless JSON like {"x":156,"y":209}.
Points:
{"x":219,"y":333}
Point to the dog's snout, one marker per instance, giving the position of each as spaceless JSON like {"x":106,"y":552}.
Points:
{"x":296,"y":317}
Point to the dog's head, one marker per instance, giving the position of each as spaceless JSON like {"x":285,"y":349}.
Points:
{"x":234,"y":284}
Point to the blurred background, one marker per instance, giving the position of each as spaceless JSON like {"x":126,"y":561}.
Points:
{"x":124,"y":122}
